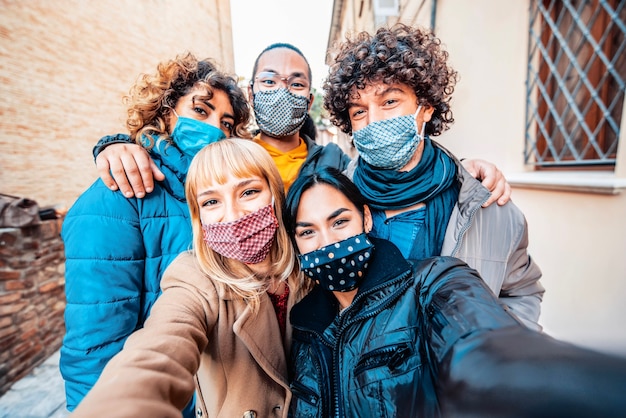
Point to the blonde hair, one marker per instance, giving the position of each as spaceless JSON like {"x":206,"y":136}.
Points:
{"x":212,"y":165}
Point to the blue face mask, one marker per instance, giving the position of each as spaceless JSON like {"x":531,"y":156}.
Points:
{"x":389,"y":144}
{"x":191,"y":135}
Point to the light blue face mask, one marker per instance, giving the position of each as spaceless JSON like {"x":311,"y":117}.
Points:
{"x":191,"y":135}
{"x":389,"y":144}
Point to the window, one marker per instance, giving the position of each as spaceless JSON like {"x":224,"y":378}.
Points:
{"x":576,"y":83}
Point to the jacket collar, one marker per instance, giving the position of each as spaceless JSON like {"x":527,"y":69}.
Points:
{"x":472,"y":193}
{"x":319,"y":308}
{"x":174,"y":164}
{"x":259,"y":331}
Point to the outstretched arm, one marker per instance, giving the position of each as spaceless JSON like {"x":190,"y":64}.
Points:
{"x":492,"y":178}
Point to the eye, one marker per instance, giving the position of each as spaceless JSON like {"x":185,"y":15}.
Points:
{"x":390,"y":102}
{"x":200,"y":110}
{"x":268,"y":83}
{"x":208,"y":202}
{"x":340,"y":222}
{"x":229,"y":126}
{"x":298,"y":85}
{"x":303,"y":233}
{"x":357,"y":114}
{"x":250,"y":192}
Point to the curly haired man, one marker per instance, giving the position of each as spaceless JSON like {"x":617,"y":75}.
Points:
{"x":392,"y":91}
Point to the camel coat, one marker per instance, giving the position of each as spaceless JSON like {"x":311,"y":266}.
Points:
{"x":197,"y":326}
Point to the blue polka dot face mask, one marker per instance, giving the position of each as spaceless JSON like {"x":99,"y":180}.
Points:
{"x":339,"y":267}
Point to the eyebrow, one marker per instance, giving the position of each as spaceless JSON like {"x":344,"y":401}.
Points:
{"x":385,"y":92}
{"x":330,"y":217}
{"x":239,"y":185}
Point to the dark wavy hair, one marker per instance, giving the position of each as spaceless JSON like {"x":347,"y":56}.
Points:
{"x":400,"y":54}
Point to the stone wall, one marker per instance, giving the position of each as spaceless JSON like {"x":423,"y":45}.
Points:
{"x":32,"y":298}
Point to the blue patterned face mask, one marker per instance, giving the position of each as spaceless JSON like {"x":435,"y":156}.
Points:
{"x":191,"y":135}
{"x":389,"y":144}
{"x":339,"y":267}
{"x":280,"y":113}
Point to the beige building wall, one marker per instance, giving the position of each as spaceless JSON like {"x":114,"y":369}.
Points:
{"x":64,"y":67}
{"x":577,"y":220}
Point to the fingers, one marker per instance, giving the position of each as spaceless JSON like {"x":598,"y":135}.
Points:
{"x":136,"y":173}
{"x":130,"y":169}
{"x":506,"y":196}
{"x":492,"y":179}
{"x":495,"y":182}
{"x":102,"y":165}
{"x":156,"y":173}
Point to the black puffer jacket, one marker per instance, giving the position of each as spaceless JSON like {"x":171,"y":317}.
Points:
{"x":371,"y":360}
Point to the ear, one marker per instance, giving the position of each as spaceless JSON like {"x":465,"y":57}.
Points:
{"x":311,"y":98}
{"x":250,"y":93}
{"x":367,"y":219}
{"x":428,"y":113}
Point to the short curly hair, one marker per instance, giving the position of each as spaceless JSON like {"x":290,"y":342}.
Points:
{"x":152,"y":98}
{"x":400,"y":54}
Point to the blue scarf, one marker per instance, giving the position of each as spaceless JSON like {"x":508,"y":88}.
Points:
{"x":432,"y":181}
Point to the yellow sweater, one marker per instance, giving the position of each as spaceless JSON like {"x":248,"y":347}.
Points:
{"x":289,"y":162}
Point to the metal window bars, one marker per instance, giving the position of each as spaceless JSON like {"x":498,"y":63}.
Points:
{"x":576,"y":82}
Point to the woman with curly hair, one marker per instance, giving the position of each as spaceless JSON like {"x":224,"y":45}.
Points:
{"x":116,"y":248}
{"x":392,"y":92}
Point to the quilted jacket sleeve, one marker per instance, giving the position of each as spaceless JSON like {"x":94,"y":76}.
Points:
{"x":521,"y":290}
{"x":153,"y":375}
{"x":108,"y":140}
{"x":104,"y":274}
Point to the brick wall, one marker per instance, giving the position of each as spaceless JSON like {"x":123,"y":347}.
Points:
{"x":64,"y":67}
{"x":32,"y":298}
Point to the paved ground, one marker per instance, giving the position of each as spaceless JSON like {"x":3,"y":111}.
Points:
{"x":38,"y":395}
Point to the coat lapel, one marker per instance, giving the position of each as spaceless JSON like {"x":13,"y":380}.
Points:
{"x":259,"y":332}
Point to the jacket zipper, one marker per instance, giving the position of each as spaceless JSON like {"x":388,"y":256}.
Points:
{"x":344,"y":324}
{"x":466,"y":226}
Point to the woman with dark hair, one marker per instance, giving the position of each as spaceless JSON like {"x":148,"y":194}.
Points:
{"x":382,"y":336}
{"x":116,"y":248}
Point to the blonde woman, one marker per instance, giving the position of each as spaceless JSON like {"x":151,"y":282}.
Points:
{"x":222,"y":316}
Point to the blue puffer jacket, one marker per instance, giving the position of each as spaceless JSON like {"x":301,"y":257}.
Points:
{"x":116,"y":252}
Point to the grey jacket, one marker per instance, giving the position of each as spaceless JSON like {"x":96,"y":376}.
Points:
{"x":494,"y":241}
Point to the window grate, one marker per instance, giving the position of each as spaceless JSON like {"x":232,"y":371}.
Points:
{"x":576,"y":82}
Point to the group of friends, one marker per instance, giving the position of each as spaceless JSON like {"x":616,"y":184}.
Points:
{"x":215,"y":271}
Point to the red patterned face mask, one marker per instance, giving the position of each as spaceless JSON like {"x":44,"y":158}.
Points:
{"x":248,"y":239}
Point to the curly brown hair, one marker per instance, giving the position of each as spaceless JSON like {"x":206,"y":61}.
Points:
{"x":400,"y":54}
{"x":152,"y":98}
